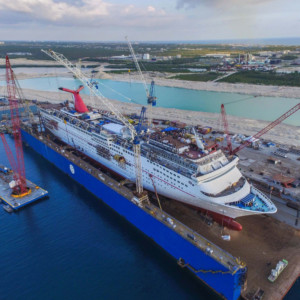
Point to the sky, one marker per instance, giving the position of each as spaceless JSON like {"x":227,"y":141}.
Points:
{"x":156,"y":20}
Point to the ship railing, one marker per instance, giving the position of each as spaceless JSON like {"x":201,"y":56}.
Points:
{"x":176,"y":165}
{"x":263,"y":197}
{"x":170,"y":156}
{"x":163,"y":146}
{"x":176,"y":168}
{"x":73,"y":121}
{"x":211,"y":158}
{"x":89,"y":168}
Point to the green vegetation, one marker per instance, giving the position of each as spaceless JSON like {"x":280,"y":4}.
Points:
{"x":170,"y":66}
{"x":72,"y":50}
{"x":102,"y":51}
{"x":266,"y":78}
{"x":117,"y":71}
{"x":207,"y":76}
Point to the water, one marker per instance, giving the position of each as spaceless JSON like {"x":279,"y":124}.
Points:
{"x":72,"y":246}
{"x":246,"y":106}
{"x":35,"y":70}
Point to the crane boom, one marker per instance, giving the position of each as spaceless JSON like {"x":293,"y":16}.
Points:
{"x":226,"y":128}
{"x":77,"y":72}
{"x":18,"y":167}
{"x":137,"y":66}
{"x":8,"y":152}
{"x":269,"y":127}
{"x":150,"y":98}
{"x":135,"y":136}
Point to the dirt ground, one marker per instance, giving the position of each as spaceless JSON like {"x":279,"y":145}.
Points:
{"x":283,"y":134}
{"x":261,"y":244}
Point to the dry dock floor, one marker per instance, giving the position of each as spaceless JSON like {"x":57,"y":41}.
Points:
{"x":261,"y":244}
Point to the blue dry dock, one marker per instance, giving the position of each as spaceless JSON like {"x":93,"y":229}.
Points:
{"x":36,"y":192}
{"x":216,"y":268}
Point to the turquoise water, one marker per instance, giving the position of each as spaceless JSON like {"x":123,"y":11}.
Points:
{"x":258,"y":108}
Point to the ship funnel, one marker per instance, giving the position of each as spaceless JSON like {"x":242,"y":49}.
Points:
{"x":198,"y":141}
{"x":79,"y":104}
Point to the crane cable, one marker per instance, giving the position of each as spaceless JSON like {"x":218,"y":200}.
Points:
{"x":240,"y":100}
{"x":118,"y":93}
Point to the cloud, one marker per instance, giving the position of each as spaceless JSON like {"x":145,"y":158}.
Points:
{"x":152,"y":20}
{"x":195,"y":3}
{"x":192,"y":3}
{"x":80,"y":13}
{"x":151,"y":9}
{"x":54,"y":11}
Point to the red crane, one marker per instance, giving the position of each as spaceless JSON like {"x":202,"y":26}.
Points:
{"x":261,"y":132}
{"x":226,"y":130}
{"x":17,"y":165}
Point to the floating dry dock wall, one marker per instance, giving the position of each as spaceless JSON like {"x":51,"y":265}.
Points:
{"x":219,"y":270}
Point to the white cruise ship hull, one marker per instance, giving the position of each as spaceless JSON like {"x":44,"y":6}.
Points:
{"x":167,"y":182}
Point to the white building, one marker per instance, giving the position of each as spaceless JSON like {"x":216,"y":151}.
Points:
{"x":146,"y":56}
{"x":218,"y":55}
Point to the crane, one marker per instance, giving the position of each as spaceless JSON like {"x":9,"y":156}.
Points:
{"x":267,"y":128}
{"x":18,"y":167}
{"x":134,"y":134}
{"x":226,"y":129}
{"x":139,"y":126}
{"x":151,"y":99}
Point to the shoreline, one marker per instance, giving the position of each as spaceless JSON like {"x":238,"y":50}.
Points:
{"x":210,"y":86}
{"x":161,"y":79}
{"x":282,"y":134}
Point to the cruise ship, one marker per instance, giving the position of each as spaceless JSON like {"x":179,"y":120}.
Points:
{"x":184,"y":169}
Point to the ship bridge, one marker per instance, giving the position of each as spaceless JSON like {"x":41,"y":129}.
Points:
{"x":212,"y":162}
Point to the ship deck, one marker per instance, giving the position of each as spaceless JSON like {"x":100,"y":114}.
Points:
{"x":36,"y":194}
{"x":262,"y":242}
{"x":231,"y":263}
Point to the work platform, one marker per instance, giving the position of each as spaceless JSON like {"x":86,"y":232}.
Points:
{"x":15,"y":203}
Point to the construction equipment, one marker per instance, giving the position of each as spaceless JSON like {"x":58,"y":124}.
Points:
{"x":266,"y":129}
{"x":18,"y":167}
{"x":156,"y":194}
{"x":23,"y":101}
{"x":151,"y":99}
{"x":139,"y":127}
{"x":226,"y":129}
{"x":134,"y":134}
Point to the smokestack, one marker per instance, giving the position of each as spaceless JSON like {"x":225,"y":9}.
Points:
{"x":80,"y":107}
